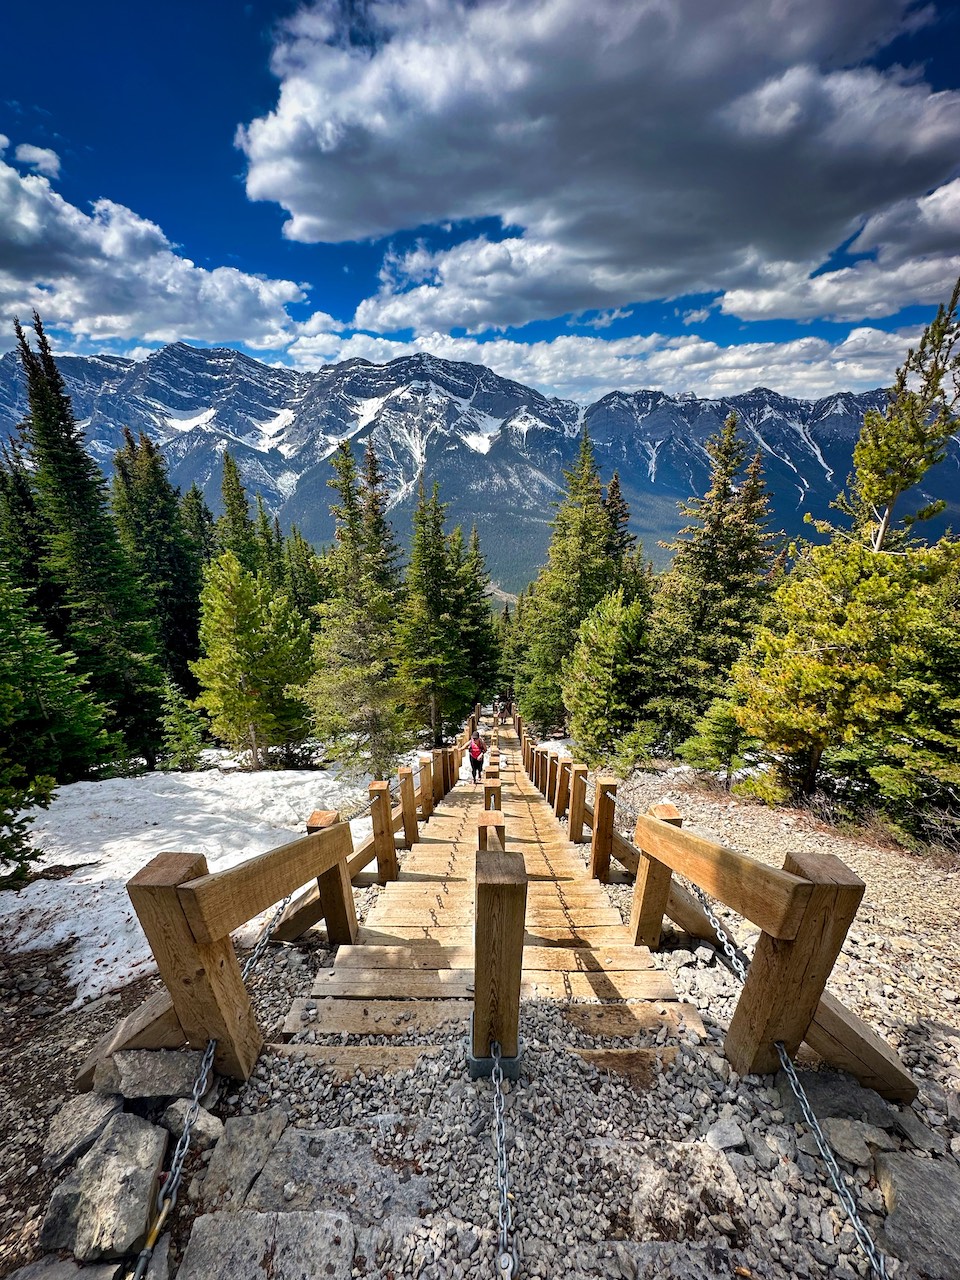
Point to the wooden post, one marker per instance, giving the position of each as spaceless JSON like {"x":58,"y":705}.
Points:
{"x":383,"y":841}
{"x":491,"y":795}
{"x":491,"y":820}
{"x":539,"y":758}
{"x":203,"y":978}
{"x":786,"y":978}
{"x":449,"y":777}
{"x":334,"y":903}
{"x":652,"y":888}
{"x":438,"y":789}
{"x":553,"y":764}
{"x":525,"y":753}
{"x":563,"y":787}
{"x":426,"y":785}
{"x":601,"y":846}
{"x":408,"y":800}
{"x":501,"y":898}
{"x":578,"y":800}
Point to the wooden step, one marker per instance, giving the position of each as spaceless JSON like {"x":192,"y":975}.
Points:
{"x":626,"y":984}
{"x":332,"y":1016}
{"x":395,"y":984}
{"x":640,"y":1066}
{"x":624,"y":1021}
{"x":371,"y":1059}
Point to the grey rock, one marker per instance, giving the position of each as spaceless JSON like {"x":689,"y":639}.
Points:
{"x":159,"y":1265}
{"x":923,"y":1207}
{"x":76,"y":1127}
{"x":64,"y":1269}
{"x":284,"y":1246}
{"x":725,"y":1134}
{"x":662,"y":1175}
{"x":336,"y":1169}
{"x":836,"y":1095}
{"x":852,"y":1140}
{"x":101,"y":1210}
{"x":206,"y":1132}
{"x":148,"y":1073}
{"x":912,"y":1127}
{"x":239,"y":1156}
{"x":761,"y":1150}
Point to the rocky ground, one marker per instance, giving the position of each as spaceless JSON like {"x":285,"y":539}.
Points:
{"x":693,"y":1172}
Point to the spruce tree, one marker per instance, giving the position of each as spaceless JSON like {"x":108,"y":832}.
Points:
{"x":306,"y":577}
{"x":268,"y":546}
{"x":82,"y":561}
{"x":147,"y":511}
{"x":235,"y":529}
{"x":433,"y":666}
{"x":381,"y":548}
{"x":255,"y":649}
{"x":710,"y":600}
{"x":182,"y":731}
{"x":477,"y":629}
{"x":719,"y":741}
{"x":199,"y":526}
{"x":353,"y":693}
{"x":622,"y":541}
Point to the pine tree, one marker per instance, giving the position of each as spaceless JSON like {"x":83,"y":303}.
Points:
{"x":606,"y":683}
{"x":580,"y":571}
{"x":182,"y":731}
{"x":478,"y":635}
{"x":106,"y":625}
{"x":718,"y":741}
{"x":199,"y":526}
{"x":709,"y":602}
{"x":622,"y":542}
{"x":255,"y":649}
{"x":306,"y":577}
{"x":381,"y":548}
{"x":235,"y":530}
{"x":433,"y":666}
{"x":353,"y":693}
{"x":268,"y":546}
{"x":147,"y":511}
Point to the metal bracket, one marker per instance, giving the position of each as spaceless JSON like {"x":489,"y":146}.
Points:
{"x":481,"y":1068}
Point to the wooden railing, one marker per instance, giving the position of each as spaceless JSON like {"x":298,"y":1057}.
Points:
{"x":189,"y":913}
{"x":803,"y":912}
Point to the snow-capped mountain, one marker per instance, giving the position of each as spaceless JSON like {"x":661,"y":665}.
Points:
{"x":497,"y":448}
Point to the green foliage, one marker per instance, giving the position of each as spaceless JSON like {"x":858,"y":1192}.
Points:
{"x":718,"y":741}
{"x":235,"y":530}
{"x":478,"y":634}
{"x":765,"y":787}
{"x":607,"y":679}
{"x":634,"y":748}
{"x":710,"y":600}
{"x":182,"y":731}
{"x":255,"y":650}
{"x":198,"y":525}
{"x":307,"y":577}
{"x":268,"y":547}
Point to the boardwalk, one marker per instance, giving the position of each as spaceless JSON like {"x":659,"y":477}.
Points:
{"x":411,"y":970}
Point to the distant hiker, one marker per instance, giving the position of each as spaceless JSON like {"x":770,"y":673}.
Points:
{"x":476,"y":751}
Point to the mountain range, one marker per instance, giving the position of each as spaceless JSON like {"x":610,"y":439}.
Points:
{"x":496,"y":447}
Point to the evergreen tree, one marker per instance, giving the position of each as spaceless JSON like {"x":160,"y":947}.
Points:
{"x":381,"y":548}
{"x":235,"y":530}
{"x":433,"y":666}
{"x":22,"y":542}
{"x":580,"y":571}
{"x":622,"y":542}
{"x":199,"y":526}
{"x":306,"y":577}
{"x":606,"y":683}
{"x":106,"y":625}
{"x":353,"y":693}
{"x":182,"y":731}
{"x":710,"y":600}
{"x":268,"y":546}
{"x":147,"y":511}
{"x":718,"y":741}
{"x":255,"y":649}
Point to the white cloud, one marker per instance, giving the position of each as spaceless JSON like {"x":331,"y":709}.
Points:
{"x":585,"y":368}
{"x":40,"y":159}
{"x":113,"y":274}
{"x":644,"y":150}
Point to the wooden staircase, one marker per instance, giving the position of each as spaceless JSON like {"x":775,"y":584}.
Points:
{"x":411,"y":971}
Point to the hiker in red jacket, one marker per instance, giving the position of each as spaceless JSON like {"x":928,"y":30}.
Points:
{"x":476,"y":751}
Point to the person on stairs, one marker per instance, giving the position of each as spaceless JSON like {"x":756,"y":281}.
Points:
{"x":476,"y":751}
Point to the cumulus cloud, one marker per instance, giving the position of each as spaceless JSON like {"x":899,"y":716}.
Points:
{"x":113,"y":274}
{"x":585,"y":368}
{"x":630,"y":151}
{"x":40,"y":159}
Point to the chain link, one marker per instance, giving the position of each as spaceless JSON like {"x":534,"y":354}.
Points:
{"x":735,"y":958}
{"x":507,"y":1266}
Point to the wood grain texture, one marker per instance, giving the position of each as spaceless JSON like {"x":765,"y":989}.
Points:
{"x":408,"y":806}
{"x":152,"y":1025}
{"x":578,"y":801}
{"x":651,"y":890}
{"x":384,"y":842}
{"x":601,"y":844}
{"x":501,"y":898}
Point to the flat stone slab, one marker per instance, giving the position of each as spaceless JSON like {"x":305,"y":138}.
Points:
{"x":239,"y":1156}
{"x":834,"y":1095}
{"x":101,"y":1210}
{"x":76,"y":1127}
{"x":148,"y":1073}
{"x":923,"y":1212}
{"x":855,"y":1141}
{"x":64,"y":1269}
{"x":336,"y":1169}
{"x":282,"y":1246}
{"x":206,"y":1132}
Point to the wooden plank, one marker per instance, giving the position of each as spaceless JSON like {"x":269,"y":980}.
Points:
{"x":640,"y":1066}
{"x":402,"y":914}
{"x":848,"y":1043}
{"x":371,"y":1059}
{"x":627,"y":984}
{"x":786,"y":979}
{"x":336,"y":904}
{"x":374,"y":1017}
{"x":408,"y":805}
{"x":547,"y":935}
{"x":217,"y":903}
{"x":624,"y":1021}
{"x":652,"y":889}
{"x":624,"y":851}
{"x":586,"y":959}
{"x":426,"y":784}
{"x":439,"y":790}
{"x":152,"y":1025}
{"x":553,"y":765}
{"x":491,"y":824}
{"x":774,"y":900}
{"x":501,"y":898}
{"x":601,"y":844}
{"x":385,"y":984}
{"x":412,"y":935}
{"x":203,"y":978}
{"x":405,"y":957}
{"x":364,"y":854}
{"x":384,"y":842}
{"x":563,"y":787}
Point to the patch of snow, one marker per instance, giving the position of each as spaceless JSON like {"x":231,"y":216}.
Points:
{"x":276,"y":425}
{"x":185,"y":421}
{"x":477,"y":442}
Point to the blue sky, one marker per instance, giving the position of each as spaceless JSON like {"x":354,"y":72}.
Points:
{"x":660,"y":193}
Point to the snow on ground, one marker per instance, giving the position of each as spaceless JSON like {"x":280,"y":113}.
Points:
{"x":109,"y":830}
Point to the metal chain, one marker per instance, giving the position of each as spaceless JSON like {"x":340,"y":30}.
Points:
{"x":736,"y":961}
{"x":877,"y":1260}
{"x":507,"y":1265}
